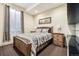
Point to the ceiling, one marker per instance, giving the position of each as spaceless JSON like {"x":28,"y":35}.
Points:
{"x":36,"y":8}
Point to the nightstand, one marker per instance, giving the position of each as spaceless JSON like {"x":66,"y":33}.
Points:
{"x":59,"y":39}
{"x":33,"y":31}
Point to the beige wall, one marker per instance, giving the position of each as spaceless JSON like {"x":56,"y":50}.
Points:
{"x":59,"y":19}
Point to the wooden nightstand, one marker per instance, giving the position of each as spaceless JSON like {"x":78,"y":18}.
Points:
{"x":59,"y":39}
{"x":33,"y":31}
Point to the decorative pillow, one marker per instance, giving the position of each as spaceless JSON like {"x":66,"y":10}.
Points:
{"x":38,"y":30}
{"x":45,"y":30}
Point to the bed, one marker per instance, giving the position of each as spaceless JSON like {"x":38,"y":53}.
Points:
{"x":39,"y":40}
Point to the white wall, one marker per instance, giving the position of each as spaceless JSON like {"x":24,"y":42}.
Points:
{"x":1,"y":23}
{"x":28,"y":23}
{"x":59,"y":19}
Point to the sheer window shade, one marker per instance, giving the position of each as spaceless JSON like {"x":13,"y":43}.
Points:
{"x":16,"y":21}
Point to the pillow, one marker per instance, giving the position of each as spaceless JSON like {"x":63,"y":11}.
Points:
{"x":38,"y":30}
{"x":45,"y":30}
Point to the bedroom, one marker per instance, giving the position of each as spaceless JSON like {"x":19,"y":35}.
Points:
{"x":34,"y":16}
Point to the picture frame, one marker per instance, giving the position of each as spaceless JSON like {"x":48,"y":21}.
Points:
{"x":45,"y":20}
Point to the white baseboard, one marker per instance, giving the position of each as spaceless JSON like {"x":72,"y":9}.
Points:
{"x":6,"y":43}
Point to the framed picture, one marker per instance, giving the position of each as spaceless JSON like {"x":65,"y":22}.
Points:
{"x":45,"y":20}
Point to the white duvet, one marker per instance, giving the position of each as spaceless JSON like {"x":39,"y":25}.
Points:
{"x":36,"y":39}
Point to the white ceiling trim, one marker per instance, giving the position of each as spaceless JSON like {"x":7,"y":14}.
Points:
{"x":35,"y":5}
{"x":37,"y":8}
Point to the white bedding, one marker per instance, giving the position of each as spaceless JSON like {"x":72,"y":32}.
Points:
{"x":36,"y":39}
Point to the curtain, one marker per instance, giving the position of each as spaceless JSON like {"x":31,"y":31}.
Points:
{"x":6,"y":34}
{"x":22,"y":18}
{"x":13,"y":23}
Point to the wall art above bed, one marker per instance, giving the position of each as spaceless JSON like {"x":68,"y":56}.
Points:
{"x":45,"y":20}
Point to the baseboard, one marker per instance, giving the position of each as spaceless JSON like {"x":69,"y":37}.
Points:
{"x":6,"y":43}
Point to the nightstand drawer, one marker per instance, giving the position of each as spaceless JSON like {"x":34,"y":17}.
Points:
{"x":32,"y":31}
{"x":60,"y":36}
{"x":58,"y":39}
{"x":55,"y":42}
{"x":61,"y":44}
{"x":55,"y":35}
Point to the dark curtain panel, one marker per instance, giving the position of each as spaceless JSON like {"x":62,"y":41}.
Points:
{"x":22,"y":23}
{"x":6,"y":34}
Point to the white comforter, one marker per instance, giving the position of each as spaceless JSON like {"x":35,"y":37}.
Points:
{"x":36,"y":39}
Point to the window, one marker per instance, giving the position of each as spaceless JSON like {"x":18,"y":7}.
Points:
{"x":15,"y":21}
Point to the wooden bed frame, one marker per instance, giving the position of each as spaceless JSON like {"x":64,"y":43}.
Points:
{"x":24,"y":47}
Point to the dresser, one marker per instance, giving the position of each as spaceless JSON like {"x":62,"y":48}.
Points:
{"x":58,"y":39}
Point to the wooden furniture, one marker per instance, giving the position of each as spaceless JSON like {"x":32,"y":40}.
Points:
{"x":22,"y":45}
{"x":25,"y":49}
{"x":58,"y":39}
{"x":33,"y":31}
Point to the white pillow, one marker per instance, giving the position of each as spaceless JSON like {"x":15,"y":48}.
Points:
{"x":38,"y":30}
{"x":45,"y":30}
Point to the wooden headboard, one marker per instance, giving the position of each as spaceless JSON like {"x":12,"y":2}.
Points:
{"x":49,"y":31}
